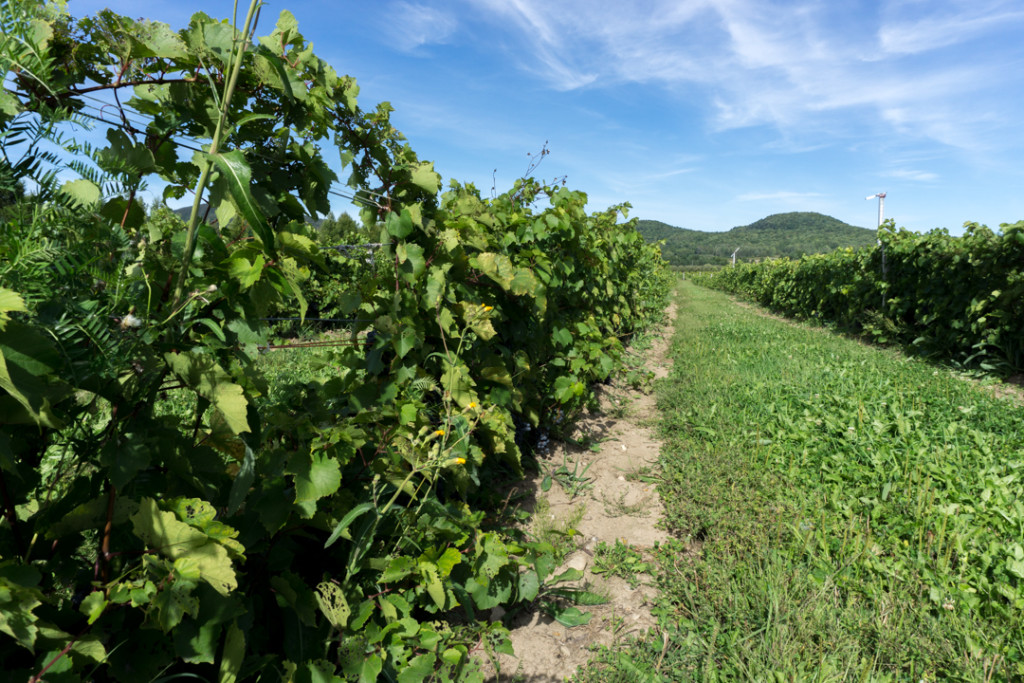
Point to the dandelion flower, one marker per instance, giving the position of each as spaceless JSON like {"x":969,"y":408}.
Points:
{"x":472,"y":404}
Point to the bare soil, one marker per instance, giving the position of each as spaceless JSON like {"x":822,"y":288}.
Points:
{"x":1012,"y":388}
{"x":618,"y":502}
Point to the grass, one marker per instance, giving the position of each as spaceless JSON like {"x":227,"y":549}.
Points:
{"x":281,"y":370}
{"x":858,"y":514}
{"x":618,"y":507}
{"x":622,"y":560}
{"x":645,"y":472}
{"x":574,"y":481}
{"x":561,"y":533}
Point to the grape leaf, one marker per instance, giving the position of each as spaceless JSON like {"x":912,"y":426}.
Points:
{"x":163,"y":532}
{"x":210,"y":381}
{"x":424,"y":177}
{"x":315,"y":477}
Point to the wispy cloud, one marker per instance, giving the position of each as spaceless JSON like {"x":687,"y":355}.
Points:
{"x":909,"y":174}
{"x":948,"y":24}
{"x":546,"y":40}
{"x":756,"y":62}
{"x":669,"y":174}
{"x":480,"y":131}
{"x":412,"y":25}
{"x":777,"y":196}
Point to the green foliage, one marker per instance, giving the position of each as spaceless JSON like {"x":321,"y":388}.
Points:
{"x":944,"y":297}
{"x":788,"y":235}
{"x":850,"y":514}
{"x":341,"y":230}
{"x":621,"y":560}
{"x":174,"y":505}
{"x":574,"y":481}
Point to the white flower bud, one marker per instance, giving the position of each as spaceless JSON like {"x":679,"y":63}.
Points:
{"x":130,"y":321}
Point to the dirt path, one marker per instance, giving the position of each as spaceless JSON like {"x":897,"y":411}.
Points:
{"x":617,"y":501}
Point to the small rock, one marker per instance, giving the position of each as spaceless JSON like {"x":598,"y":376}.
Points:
{"x":623,"y":446}
{"x":577,"y":561}
{"x":622,"y":478}
{"x":564,"y":651}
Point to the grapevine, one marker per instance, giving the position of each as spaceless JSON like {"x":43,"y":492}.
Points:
{"x":170,"y":512}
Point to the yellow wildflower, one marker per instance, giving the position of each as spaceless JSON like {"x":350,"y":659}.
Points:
{"x":488,"y":308}
{"x":472,"y":404}
{"x":460,"y":461}
{"x":439,"y":432}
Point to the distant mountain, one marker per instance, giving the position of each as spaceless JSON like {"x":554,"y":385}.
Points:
{"x":185,"y":212}
{"x":783,"y":234}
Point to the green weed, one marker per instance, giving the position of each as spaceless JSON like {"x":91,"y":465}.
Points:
{"x":646,"y":473}
{"x":858,"y":514}
{"x":574,"y":481}
{"x":618,"y":507}
{"x":622,"y":560}
{"x":560,"y":533}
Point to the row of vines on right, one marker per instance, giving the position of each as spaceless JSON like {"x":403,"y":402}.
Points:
{"x":959,"y":299}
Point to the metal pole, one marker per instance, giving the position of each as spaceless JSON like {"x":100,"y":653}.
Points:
{"x":885,"y":269}
{"x":881,"y":245}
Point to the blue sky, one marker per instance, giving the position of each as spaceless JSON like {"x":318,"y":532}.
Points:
{"x":704,"y":114}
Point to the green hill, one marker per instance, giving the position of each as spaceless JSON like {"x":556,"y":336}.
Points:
{"x":782,"y":234}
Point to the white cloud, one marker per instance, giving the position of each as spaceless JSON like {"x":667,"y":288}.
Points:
{"x":412,"y":25}
{"x":476,"y":130}
{"x":948,"y":24}
{"x":783,"y":196}
{"x":757,"y":62}
{"x":910,"y":174}
{"x":670,"y":174}
{"x":545,"y":42}
{"x":967,"y":126}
